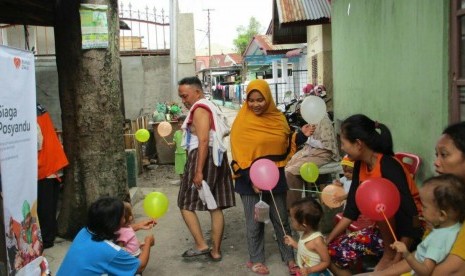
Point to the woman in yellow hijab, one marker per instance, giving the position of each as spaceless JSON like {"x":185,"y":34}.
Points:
{"x":260,"y":130}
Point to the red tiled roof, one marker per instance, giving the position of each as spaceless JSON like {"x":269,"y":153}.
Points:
{"x":223,"y":60}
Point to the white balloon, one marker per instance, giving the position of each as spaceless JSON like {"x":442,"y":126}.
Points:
{"x":313,"y":109}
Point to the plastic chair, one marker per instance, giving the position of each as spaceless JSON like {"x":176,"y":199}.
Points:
{"x":412,"y":164}
{"x":411,"y":161}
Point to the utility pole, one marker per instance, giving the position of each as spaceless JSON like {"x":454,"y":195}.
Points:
{"x":209,"y":53}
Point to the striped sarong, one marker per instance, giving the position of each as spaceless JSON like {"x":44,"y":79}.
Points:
{"x":218,"y":178}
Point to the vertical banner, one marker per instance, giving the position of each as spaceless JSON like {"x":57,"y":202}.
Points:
{"x":18,"y":161}
{"x":94,"y":26}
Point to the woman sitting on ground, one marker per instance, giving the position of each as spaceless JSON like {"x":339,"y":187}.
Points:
{"x":93,"y":251}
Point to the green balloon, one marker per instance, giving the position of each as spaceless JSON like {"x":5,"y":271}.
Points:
{"x":309,"y":172}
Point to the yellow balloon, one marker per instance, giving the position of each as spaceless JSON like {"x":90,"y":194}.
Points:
{"x":142,"y":135}
{"x":155,"y":204}
{"x":309,"y":172}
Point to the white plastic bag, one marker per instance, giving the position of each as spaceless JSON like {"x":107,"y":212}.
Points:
{"x":262,"y":211}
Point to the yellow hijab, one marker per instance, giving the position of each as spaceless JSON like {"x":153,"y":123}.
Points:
{"x":255,"y":136}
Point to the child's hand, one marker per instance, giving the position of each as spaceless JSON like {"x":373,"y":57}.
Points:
{"x":400,"y":247}
{"x":144,"y":224}
{"x":288,"y":240}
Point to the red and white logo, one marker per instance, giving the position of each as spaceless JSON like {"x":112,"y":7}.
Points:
{"x":17,"y":62}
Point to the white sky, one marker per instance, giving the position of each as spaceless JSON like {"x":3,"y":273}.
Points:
{"x":225,"y":17}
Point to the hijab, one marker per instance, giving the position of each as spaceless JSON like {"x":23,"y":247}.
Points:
{"x":254,"y":136}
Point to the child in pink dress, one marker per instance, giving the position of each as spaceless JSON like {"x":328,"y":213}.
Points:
{"x":127,"y":236}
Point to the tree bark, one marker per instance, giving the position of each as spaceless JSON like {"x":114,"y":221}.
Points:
{"x":91,"y":102}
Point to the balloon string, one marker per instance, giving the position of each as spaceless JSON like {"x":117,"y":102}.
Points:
{"x":276,"y":207}
{"x":310,"y":191}
{"x":165,"y":140}
{"x":390,"y":228}
{"x":316,"y":186}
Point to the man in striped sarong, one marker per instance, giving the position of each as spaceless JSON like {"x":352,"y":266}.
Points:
{"x":207,"y":168}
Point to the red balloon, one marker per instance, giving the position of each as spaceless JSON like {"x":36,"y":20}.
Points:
{"x":377,"y":195}
{"x":264,"y":174}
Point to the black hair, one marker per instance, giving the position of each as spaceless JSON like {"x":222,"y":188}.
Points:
{"x":182,"y":118}
{"x":307,"y":211}
{"x":194,"y":81}
{"x":361,"y":127}
{"x":457,"y":133}
{"x":449,"y":193}
{"x":104,"y":218}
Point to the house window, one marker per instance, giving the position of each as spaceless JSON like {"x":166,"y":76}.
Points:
{"x":457,"y":61}
{"x":314,"y":70}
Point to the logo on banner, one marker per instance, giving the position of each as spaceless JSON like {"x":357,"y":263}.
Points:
{"x":17,"y":62}
{"x":21,"y":64}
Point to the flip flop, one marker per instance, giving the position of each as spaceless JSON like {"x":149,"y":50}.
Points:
{"x":293,"y":269}
{"x":191,"y":252}
{"x":258,"y":268}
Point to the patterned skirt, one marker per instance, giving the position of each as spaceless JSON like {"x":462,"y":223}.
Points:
{"x":346,"y":249}
{"x":218,"y":178}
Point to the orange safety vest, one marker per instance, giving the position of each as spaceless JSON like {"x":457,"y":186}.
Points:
{"x":51,"y":158}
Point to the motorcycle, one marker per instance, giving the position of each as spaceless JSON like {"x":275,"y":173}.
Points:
{"x":291,"y":111}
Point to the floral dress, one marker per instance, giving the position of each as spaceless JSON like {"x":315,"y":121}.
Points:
{"x":346,"y":249}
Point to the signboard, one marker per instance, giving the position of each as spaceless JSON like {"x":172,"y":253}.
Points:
{"x":94,"y":26}
{"x":18,"y":161}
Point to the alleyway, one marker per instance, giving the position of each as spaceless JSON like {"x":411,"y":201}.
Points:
{"x":172,"y":237}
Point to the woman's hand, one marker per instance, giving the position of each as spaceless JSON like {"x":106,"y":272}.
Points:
{"x":256,"y":189}
{"x":149,"y":239}
{"x":337,"y":182}
{"x":308,"y":129}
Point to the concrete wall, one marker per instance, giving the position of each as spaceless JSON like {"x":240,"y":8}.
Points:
{"x":146,"y":81}
{"x":390,"y":62}
{"x":319,"y":41}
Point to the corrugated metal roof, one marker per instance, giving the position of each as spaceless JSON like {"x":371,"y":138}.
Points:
{"x":302,"y":10}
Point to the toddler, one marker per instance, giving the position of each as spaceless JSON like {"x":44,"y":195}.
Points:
{"x":346,"y":180}
{"x":442,"y":199}
{"x":127,"y":236}
{"x":312,"y":252}
{"x":180,"y":156}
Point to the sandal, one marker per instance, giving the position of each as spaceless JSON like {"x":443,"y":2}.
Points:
{"x":258,"y":268}
{"x":293,"y":269}
{"x":192,"y":252}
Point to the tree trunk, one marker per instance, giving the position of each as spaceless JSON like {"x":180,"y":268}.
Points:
{"x":91,"y":103}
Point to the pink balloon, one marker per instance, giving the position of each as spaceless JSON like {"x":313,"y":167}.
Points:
{"x":264,"y":174}
{"x":377,"y":195}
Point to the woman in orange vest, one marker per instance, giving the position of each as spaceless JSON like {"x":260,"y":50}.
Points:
{"x":51,"y":160}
